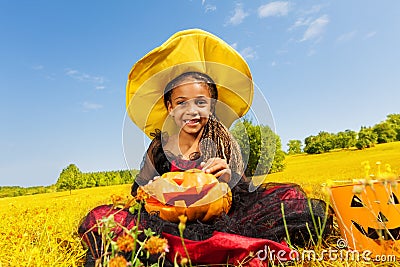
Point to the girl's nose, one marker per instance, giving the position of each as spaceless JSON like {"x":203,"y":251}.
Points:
{"x":192,"y":108}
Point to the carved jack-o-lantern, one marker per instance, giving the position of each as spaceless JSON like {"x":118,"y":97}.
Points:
{"x":197,"y":195}
{"x":369,"y":216}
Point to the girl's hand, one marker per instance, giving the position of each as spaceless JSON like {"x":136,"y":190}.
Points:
{"x":219,"y":167}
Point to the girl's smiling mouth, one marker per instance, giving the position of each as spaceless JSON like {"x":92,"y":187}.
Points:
{"x":192,"y":121}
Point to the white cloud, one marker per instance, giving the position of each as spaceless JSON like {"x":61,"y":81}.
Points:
{"x":238,"y":16}
{"x":38,"y":67}
{"x":345,"y":37}
{"x":277,"y":9}
{"x":370,"y":35}
{"x":70,"y":72}
{"x":301,"y":22}
{"x":84,"y":77}
{"x":210,"y":8}
{"x":316,"y":28}
{"x":273,"y":64}
{"x":248,"y":53}
{"x":100,"y":87}
{"x":91,"y":106}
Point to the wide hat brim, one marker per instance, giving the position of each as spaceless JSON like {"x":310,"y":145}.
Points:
{"x":186,"y":51}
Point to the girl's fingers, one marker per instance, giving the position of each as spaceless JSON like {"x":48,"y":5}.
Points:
{"x":215,"y":168}
{"x":208,"y":164}
{"x":215,"y":164}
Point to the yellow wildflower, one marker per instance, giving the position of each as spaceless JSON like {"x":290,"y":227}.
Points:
{"x":182,"y":222}
{"x":378,"y":163}
{"x":182,"y":218}
{"x":388,"y":168}
{"x":155,"y":245}
{"x":308,"y":189}
{"x":184,"y":261}
{"x":367,"y":167}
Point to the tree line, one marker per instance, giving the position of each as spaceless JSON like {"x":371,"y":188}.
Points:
{"x":383,"y":132}
{"x":14,"y":191}
{"x":72,"y":178}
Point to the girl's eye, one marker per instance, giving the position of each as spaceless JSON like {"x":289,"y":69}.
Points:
{"x":201,"y":102}
{"x":181,"y":103}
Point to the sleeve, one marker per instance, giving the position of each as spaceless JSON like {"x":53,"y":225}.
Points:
{"x":148,"y":168}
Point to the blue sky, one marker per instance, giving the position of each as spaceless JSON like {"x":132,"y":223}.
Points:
{"x":321,"y":65}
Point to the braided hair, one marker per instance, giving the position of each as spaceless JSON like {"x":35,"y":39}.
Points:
{"x":216,"y":140}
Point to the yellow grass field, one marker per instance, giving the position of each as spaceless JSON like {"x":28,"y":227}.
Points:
{"x":40,"y":230}
{"x":338,"y":166}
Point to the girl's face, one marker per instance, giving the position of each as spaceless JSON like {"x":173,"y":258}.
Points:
{"x":190,"y":106}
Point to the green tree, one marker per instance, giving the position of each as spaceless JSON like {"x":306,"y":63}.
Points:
{"x":116,"y":179}
{"x":101,"y":179}
{"x":321,"y":143}
{"x":311,"y":145}
{"x":366,"y":138}
{"x":385,"y":132}
{"x":278,"y":164}
{"x":69,"y":178}
{"x":294,"y":147}
{"x":91,"y":182}
{"x":345,"y":139}
{"x":394,"y":121}
{"x":261,"y":148}
{"x":127,"y":176}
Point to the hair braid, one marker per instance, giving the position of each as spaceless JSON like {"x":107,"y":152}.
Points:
{"x":217,"y":141}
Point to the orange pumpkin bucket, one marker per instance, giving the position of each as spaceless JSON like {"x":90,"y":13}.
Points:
{"x":368,"y":214}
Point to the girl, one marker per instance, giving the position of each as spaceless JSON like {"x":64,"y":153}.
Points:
{"x":183,"y":95}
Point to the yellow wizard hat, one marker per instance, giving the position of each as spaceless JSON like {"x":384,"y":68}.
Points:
{"x":187,"y":51}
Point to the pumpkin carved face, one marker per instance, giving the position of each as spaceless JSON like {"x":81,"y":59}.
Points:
{"x":193,"y":193}
{"x":369,"y":216}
